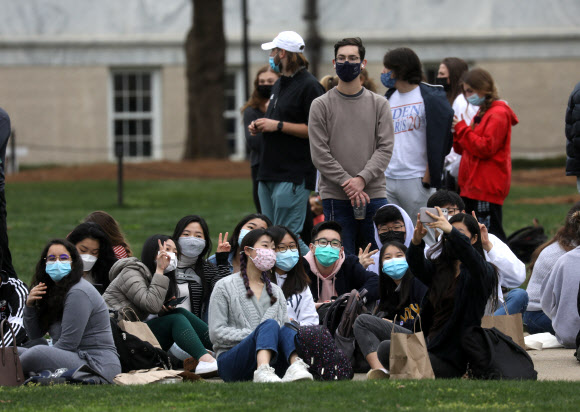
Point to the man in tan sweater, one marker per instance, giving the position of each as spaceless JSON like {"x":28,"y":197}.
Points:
{"x":351,"y":142}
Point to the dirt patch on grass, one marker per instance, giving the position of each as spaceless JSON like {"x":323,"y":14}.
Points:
{"x":198,"y":169}
{"x":546,"y":177}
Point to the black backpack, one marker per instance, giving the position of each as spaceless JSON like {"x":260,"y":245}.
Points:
{"x":525,"y":241}
{"x":136,"y":354}
{"x":494,"y":355}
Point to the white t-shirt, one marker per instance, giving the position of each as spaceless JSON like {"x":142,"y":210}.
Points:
{"x":409,"y":158}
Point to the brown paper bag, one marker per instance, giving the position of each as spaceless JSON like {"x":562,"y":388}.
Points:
{"x":409,"y":358}
{"x":511,"y":325}
{"x":145,"y":376}
{"x":136,"y":327}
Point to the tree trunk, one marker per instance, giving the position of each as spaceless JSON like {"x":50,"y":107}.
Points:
{"x":205,"y":72}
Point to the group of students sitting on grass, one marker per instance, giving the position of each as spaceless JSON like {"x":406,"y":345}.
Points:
{"x":232,"y":321}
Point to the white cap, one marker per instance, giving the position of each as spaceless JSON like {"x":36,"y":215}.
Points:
{"x":286,"y":40}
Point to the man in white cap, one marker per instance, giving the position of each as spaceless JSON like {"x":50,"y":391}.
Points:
{"x":286,"y":174}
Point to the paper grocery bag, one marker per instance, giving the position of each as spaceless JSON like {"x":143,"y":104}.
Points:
{"x":408,"y":358}
{"x":137,"y":328}
{"x":511,"y":325}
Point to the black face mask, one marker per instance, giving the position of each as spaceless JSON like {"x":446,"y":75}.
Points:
{"x":386,"y":237}
{"x":264,"y":90}
{"x":443,"y":81}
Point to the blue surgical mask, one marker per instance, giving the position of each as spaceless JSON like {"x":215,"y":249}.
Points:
{"x":273,"y":65}
{"x":287,"y":260}
{"x":58,"y":270}
{"x":243,"y":233}
{"x":388,"y":80}
{"x":326,"y":255}
{"x":475,"y":100}
{"x":347,"y":71}
{"x":395,"y":268}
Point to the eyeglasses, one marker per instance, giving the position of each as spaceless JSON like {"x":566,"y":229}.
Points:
{"x":284,"y":248}
{"x":337,"y":244}
{"x":62,"y":258}
{"x":395,"y":228}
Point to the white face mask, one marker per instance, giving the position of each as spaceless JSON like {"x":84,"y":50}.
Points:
{"x":88,"y":262}
{"x":172,"y":262}
{"x":191,"y":246}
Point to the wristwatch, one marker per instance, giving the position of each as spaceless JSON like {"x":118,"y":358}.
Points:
{"x":280,"y":125}
{"x":426,"y":185}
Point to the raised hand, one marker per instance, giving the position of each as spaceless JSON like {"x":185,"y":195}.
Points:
{"x":163,"y":258}
{"x":419,"y":232}
{"x":365,"y":257}
{"x":36,"y":294}
{"x":223,"y":244}
{"x":440,"y":222}
{"x":485,"y":242}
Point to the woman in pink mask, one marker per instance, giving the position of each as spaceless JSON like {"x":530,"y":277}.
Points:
{"x":246,"y":317}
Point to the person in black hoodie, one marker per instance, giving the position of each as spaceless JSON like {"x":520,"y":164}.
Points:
{"x":331,"y":271}
{"x":573,"y":135}
{"x":5,"y":256}
{"x":460,"y":281}
{"x":400,"y":295}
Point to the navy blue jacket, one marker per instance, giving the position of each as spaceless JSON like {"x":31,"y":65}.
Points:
{"x":352,"y":275}
{"x":474,"y":287}
{"x":439,"y":115}
{"x":573,"y":133}
{"x":407,"y":314}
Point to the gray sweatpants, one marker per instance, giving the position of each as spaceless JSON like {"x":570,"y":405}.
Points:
{"x":370,"y":331}
{"x":41,"y":357}
{"x":411,"y":196}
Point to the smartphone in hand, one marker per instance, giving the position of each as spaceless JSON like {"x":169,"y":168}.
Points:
{"x":425,"y":218}
{"x":175,"y":302}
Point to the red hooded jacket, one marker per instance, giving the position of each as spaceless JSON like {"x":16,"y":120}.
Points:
{"x":485,"y":170}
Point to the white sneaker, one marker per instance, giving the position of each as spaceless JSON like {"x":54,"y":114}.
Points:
{"x":265,"y":374}
{"x":381,"y":373}
{"x":206,"y":368}
{"x":298,"y":371}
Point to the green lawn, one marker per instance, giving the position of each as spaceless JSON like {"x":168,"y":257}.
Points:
{"x":38,"y":212}
{"x":452,"y":395}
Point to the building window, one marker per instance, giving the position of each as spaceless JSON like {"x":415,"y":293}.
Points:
{"x":135,"y":113}
{"x":234,"y":100}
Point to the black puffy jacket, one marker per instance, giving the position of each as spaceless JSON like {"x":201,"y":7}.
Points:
{"x":573,"y":133}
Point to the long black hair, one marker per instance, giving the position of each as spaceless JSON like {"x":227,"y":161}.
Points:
{"x":149,"y":258}
{"x":106,"y":258}
{"x":179,"y":228}
{"x":236,"y":233}
{"x":391,"y":301}
{"x":51,"y":306}
{"x":445,"y":258}
{"x":297,"y":279}
{"x":250,"y":240}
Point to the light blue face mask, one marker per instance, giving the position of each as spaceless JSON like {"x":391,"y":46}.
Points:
{"x":58,"y":270}
{"x":326,"y":255}
{"x":273,"y":65}
{"x":287,"y":260}
{"x":475,"y":100}
{"x":243,"y":233}
{"x":395,"y":268}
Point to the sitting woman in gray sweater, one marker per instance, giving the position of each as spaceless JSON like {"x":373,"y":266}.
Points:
{"x":246,"y":317}
{"x":64,"y":304}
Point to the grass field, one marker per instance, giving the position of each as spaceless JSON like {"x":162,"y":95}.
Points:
{"x":440,"y":395}
{"x":40,"y":211}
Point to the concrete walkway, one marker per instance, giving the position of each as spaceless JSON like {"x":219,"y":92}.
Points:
{"x":551,"y":364}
